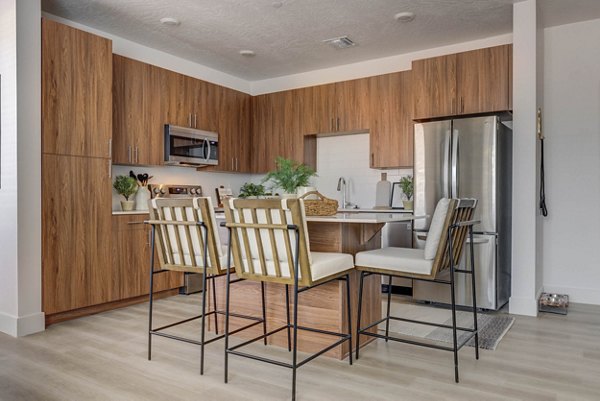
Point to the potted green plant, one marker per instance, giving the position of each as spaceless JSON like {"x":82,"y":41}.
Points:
{"x":290,"y":176}
{"x":126,"y":186}
{"x":252,"y":191}
{"x":406,"y":183}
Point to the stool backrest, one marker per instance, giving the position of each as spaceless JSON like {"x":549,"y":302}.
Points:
{"x":459,"y":210}
{"x":180,"y":236}
{"x":263,"y":245}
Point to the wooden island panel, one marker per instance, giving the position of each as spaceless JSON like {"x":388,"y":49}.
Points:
{"x":322,"y":307}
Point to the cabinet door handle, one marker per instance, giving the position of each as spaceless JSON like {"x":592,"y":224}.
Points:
{"x":462,"y":104}
{"x":236,"y":165}
{"x":337,"y":127}
{"x":232,"y":164}
{"x":129,"y":153}
{"x":372,"y":159}
{"x":195,"y":120}
{"x":110,"y":148}
{"x":137,"y":153}
{"x":110,"y":169}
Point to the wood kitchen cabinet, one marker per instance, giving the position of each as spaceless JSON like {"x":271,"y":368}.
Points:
{"x":76,"y":92}
{"x":483,"y":80}
{"x":353,"y":104}
{"x":76,"y":233}
{"x":317,"y":105}
{"x":391,"y":135}
{"x":466,"y":83}
{"x":434,"y":87}
{"x":137,"y":118}
{"x":233,"y":126}
{"x":131,"y":258}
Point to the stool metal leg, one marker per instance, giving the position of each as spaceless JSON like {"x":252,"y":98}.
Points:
{"x":214,"y":296}
{"x":204,"y":288}
{"x":453,"y":300}
{"x":151,"y":294}
{"x":474,"y":292}
{"x":295,"y":350}
{"x":389,"y":302}
{"x":287,"y":309}
{"x":226,"y":366}
{"x":349,"y":311}
{"x":360,"y":293}
{"x":264,"y":310}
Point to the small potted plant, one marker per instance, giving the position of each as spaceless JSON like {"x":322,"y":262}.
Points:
{"x":406,"y":183}
{"x":252,"y":191}
{"x":126,"y":186}
{"x":290,"y":176}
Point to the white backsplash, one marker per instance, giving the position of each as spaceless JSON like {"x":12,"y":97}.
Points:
{"x":348,"y":156}
{"x":185,"y":176}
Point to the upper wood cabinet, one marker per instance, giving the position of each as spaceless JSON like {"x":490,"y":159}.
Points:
{"x":434,"y":85}
{"x":461,"y":84}
{"x":137,"y":119}
{"x":77,"y":270}
{"x":353,"y":102}
{"x":234,"y":131}
{"x":483,"y":80}
{"x":391,"y":135}
{"x":317,"y":105}
{"x":76,"y":92}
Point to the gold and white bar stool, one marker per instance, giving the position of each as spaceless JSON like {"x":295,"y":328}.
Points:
{"x":450,"y":225}
{"x":185,"y":233}
{"x":269,"y":243}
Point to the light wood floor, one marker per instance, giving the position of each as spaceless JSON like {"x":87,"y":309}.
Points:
{"x":103,"y":357}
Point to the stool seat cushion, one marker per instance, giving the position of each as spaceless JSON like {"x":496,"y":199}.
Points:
{"x":399,"y":260}
{"x":325,"y":264}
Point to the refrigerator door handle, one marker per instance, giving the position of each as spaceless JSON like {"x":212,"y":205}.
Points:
{"x":446,"y":164}
{"x":454,"y":168}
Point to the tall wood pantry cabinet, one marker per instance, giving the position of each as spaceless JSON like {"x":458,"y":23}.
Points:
{"x":76,"y":168}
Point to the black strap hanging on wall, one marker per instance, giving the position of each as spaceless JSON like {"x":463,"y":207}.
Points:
{"x":540,"y":135}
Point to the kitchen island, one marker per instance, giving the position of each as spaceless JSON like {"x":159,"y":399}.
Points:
{"x":323,"y":307}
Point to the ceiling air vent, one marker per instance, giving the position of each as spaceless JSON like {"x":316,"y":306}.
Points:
{"x":343,"y":42}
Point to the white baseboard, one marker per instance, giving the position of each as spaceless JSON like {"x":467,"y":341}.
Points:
{"x":576,"y":295}
{"x":23,"y":325}
{"x":523,"y":306}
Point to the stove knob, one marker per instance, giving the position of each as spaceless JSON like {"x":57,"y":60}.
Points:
{"x":163,"y":192}
{"x":193,"y":191}
{"x":156,"y":191}
{"x":198,"y":191}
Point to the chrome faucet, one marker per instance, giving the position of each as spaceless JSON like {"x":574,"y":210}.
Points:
{"x":342,"y":187}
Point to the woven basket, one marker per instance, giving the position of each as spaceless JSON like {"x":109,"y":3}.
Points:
{"x":319,"y":207}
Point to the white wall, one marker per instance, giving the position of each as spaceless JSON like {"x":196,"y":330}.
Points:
{"x":348,"y":156}
{"x":8,"y":168}
{"x":524,"y":224}
{"x":20,"y":203}
{"x":572,"y":153}
{"x":188,"y":176}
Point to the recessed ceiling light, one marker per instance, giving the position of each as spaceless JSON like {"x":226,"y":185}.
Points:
{"x":247,"y":53}
{"x":169,"y":21}
{"x":343,"y":42}
{"x":406,"y":16}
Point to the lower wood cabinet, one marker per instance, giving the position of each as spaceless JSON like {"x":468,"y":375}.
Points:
{"x":131,"y":258}
{"x":77,"y":269}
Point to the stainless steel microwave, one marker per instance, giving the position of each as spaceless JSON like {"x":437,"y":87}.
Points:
{"x":190,"y":147}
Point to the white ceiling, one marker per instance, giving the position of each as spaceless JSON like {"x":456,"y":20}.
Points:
{"x":288,"y":39}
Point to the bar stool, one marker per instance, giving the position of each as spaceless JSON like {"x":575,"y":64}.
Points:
{"x":185,"y":233}
{"x":269,"y":241}
{"x":450,"y":225}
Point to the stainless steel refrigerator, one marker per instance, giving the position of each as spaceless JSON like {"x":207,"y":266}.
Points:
{"x":468,"y":158}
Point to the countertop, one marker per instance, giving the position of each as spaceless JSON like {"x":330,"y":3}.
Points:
{"x":364,"y":213}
